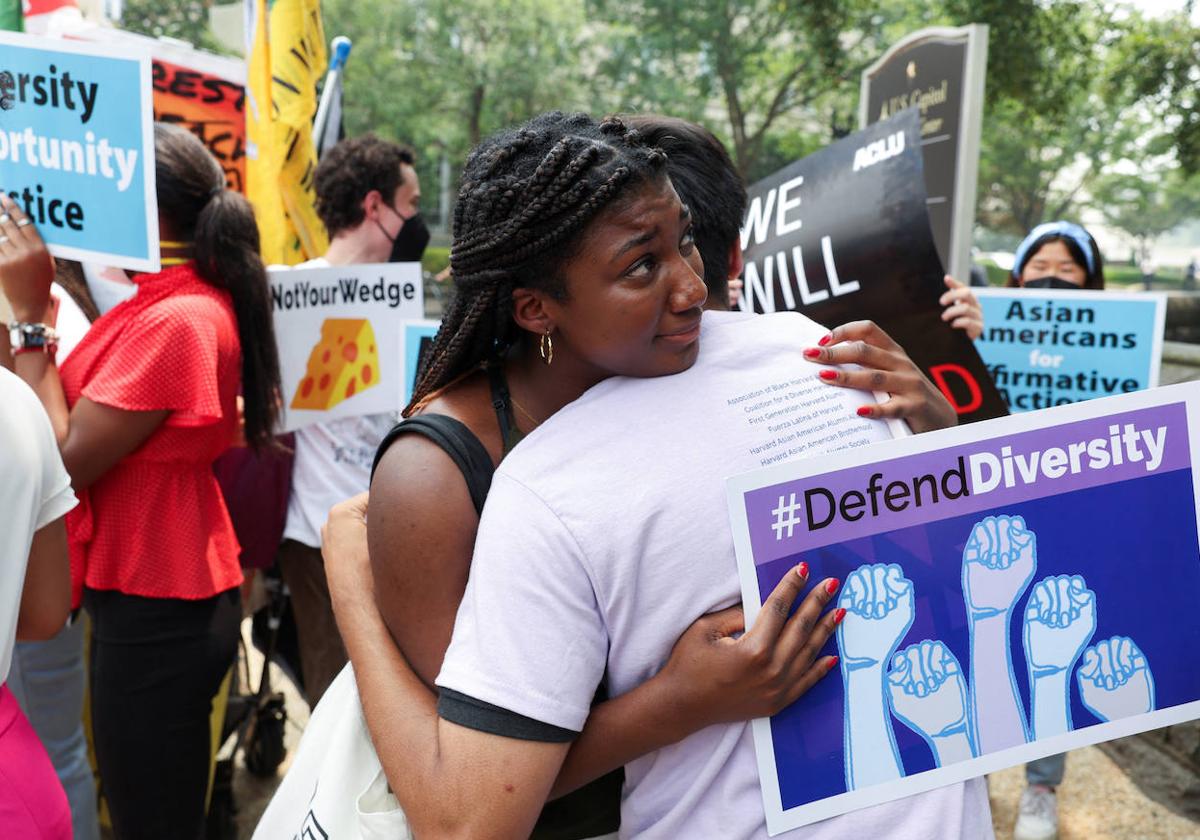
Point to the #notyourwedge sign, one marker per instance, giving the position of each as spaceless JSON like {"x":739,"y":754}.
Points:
{"x":992,"y":614}
{"x":844,"y":235}
{"x":339,"y":332}
{"x":1046,"y":348}
{"x":77,"y":147}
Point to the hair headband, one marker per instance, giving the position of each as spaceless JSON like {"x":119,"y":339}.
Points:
{"x":1068,"y":229}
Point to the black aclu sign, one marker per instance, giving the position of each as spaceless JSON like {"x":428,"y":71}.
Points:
{"x":843,"y":235}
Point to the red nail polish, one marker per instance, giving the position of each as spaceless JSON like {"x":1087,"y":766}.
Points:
{"x":833,"y":663}
{"x":828,"y":375}
{"x":825,"y":339}
{"x":865,"y":411}
{"x":812,"y":353}
{"x":839,"y":615}
{"x":802,"y":570}
{"x":832,"y":586}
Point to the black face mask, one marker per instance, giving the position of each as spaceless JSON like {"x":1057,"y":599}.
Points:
{"x":1050,"y":283}
{"x":409,"y":244}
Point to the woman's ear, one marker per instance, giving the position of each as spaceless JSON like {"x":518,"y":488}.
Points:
{"x":531,"y":311}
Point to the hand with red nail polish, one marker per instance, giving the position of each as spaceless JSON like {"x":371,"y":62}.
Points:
{"x":869,"y":360}
{"x":715,"y":675}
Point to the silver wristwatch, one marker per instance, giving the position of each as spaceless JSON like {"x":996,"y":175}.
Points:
{"x":28,"y":337}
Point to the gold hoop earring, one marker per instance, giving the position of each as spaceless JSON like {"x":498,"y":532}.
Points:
{"x":546,"y":347}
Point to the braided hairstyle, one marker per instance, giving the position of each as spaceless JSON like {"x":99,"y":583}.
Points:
{"x":527,"y":197}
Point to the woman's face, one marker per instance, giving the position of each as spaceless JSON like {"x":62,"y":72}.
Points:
{"x":1054,"y":260}
{"x":634,"y":290}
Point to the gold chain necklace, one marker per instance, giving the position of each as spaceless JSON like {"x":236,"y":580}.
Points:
{"x":518,"y":407}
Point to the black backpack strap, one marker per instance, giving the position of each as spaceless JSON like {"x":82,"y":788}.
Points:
{"x":459,"y":442}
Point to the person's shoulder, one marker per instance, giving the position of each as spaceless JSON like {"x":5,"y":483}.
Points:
{"x":416,"y":461}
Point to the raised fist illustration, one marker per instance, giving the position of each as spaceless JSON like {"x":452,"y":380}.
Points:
{"x":1060,"y":618}
{"x":928,"y":692}
{"x":878,"y":600}
{"x":998,"y":563}
{"x":1115,"y":679}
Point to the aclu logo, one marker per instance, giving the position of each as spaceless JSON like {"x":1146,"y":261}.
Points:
{"x":879,"y":151}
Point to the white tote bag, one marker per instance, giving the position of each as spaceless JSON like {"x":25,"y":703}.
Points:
{"x":335,"y":788}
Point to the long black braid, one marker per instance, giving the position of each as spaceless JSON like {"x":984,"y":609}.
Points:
{"x":527,"y":195}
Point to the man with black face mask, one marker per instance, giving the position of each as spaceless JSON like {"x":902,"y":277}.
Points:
{"x":368,"y":196}
{"x":409,"y":246}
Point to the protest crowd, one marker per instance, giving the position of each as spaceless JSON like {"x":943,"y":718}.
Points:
{"x":643,"y":534}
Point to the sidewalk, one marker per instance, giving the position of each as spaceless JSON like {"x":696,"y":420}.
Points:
{"x":1098,"y":800}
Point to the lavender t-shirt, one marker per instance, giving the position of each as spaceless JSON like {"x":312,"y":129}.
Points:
{"x":605,"y":535}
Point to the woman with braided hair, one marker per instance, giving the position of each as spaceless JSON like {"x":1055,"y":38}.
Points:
{"x":573,"y":261}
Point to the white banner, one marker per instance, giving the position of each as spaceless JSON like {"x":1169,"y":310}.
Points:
{"x":339,"y":334}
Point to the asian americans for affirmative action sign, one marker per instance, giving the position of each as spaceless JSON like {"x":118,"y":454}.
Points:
{"x":844,"y":235}
{"x":1049,"y":347}
{"x":997,"y":611}
{"x":77,"y":148}
{"x":340,"y":332}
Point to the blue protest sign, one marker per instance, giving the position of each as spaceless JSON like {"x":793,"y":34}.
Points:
{"x":996,"y":611}
{"x":418,"y":338}
{"x":77,"y":147}
{"x":1046,"y":348}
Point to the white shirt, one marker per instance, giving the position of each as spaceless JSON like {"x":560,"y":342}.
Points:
{"x":35,"y":490}
{"x":331,"y":464}
{"x":605,"y":535}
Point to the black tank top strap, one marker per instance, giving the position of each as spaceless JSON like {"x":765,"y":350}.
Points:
{"x":457,"y":441}
{"x":502,"y":403}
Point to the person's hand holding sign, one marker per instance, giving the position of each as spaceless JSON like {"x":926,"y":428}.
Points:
{"x":884,"y":367}
{"x":26,"y":267}
{"x":961,"y":308}
{"x":717,"y":674}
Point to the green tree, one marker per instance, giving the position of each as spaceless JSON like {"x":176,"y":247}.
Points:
{"x":186,"y":20}
{"x":781,"y":73}
{"x":442,"y":74}
{"x":1097,"y":89}
{"x":1145,"y":207}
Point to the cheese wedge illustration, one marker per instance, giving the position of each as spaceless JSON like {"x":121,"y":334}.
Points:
{"x":344,"y":362}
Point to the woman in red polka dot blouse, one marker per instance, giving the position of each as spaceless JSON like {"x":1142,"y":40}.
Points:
{"x":141,"y":408}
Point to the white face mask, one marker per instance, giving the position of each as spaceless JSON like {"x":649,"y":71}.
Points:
{"x":108,"y":286}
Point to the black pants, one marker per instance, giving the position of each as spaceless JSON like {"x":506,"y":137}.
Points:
{"x":156,"y":665}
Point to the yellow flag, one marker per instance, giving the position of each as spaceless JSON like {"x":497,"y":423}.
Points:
{"x":287,"y":58}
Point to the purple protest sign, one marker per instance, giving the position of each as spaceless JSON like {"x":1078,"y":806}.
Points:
{"x":993,"y":614}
